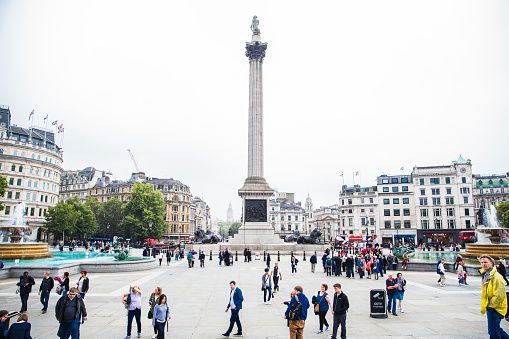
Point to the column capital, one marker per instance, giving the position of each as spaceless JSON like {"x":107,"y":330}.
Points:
{"x":256,"y":50}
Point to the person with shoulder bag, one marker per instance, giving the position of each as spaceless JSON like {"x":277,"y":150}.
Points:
{"x":133,"y":302}
{"x":400,"y":290}
{"x":339,"y":308}
{"x":152,"y":302}
{"x":161,"y":316}
{"x":266,"y":287}
{"x":322,"y":303}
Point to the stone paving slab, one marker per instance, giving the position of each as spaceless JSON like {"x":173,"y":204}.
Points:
{"x":198,"y":298}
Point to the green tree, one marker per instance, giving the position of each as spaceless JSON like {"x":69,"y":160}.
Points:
{"x":84,"y":222}
{"x":224,"y":227}
{"x":235,"y":227}
{"x":109,"y":216}
{"x":503,"y":214}
{"x":3,"y":186}
{"x":144,"y":213}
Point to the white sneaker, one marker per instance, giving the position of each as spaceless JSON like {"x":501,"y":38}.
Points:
{"x":401,"y":310}
{"x":154,"y":336}
{"x":268,"y":302}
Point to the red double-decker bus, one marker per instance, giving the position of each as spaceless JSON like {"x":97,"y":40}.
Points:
{"x":467,"y":237}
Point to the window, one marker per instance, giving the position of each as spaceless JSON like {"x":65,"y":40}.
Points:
{"x":467,"y":223}
{"x":29,"y":184}
{"x":386,"y":201}
{"x":406,"y":201}
{"x":397,"y":224}
{"x":447,"y":180}
{"x":34,"y":196}
{"x":395,"y":189}
{"x":463,"y":180}
{"x":437,"y":212}
{"x":296,"y":218}
{"x":363,"y":221}
{"x":450,"y":212}
{"x":404,"y":180}
{"x":350,"y":221}
{"x":35,"y":184}
{"x":407,"y":224}
{"x":467,"y":211}
{"x":404,"y":188}
{"x":349,"y":201}
{"x":372,"y":221}
{"x":421,"y":182}
{"x":362,"y":200}
{"x":18,"y":182}
{"x":20,"y":169}
{"x":27,"y":197}
{"x":387,"y":213}
{"x":16,"y":196}
{"x":385,"y":189}
{"x":435,"y":191}
{"x":449,"y":201}
{"x":424,"y":212}
{"x":448,"y":191}
{"x":9,"y":195}
{"x":387,"y":224}
{"x":282,"y":218}
{"x":395,"y":201}
{"x":406,"y":212}
{"x":423,"y":201}
{"x":11,"y":181}
{"x":436,"y":201}
{"x":423,"y":192}
{"x":397,"y":213}
{"x":465,"y":200}
{"x":13,"y":168}
{"x":7,"y":210}
{"x":370,"y":200}
{"x":434,"y":181}
{"x":32,"y":212}
{"x":350,"y":211}
{"x":394,"y":180}
{"x":451,"y":223}
{"x":438,"y":224}
{"x":289,"y":218}
{"x":15,"y":153}
{"x":425,"y":224}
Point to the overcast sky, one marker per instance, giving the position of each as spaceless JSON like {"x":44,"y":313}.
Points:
{"x":368,"y":86}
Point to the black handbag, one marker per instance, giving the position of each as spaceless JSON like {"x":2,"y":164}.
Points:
{"x":150,"y":314}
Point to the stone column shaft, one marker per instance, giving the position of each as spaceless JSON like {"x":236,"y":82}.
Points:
{"x":255,"y":128}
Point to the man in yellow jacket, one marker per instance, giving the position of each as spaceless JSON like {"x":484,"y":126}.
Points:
{"x":494,"y":299}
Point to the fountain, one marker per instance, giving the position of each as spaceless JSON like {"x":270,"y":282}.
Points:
{"x":15,"y":239}
{"x":491,"y":238}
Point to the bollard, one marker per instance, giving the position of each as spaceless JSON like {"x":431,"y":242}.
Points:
{"x":236,"y":256}
{"x":304,"y":259}
{"x":264,"y":256}
{"x":210,"y":255}
{"x":278,"y":257}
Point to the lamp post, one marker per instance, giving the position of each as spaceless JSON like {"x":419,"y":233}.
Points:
{"x":324,"y":233}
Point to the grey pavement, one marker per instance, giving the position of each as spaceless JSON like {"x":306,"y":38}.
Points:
{"x":198,"y":298}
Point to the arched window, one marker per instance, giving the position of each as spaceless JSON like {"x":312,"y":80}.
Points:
{"x":20,"y":169}
{"x":13,"y":168}
{"x":15,"y":153}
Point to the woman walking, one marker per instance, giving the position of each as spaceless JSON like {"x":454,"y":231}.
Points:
{"x":294,"y":265}
{"x":152,"y":302}
{"x":268,"y":260}
{"x":400,"y":290}
{"x":161,"y":316}
{"x":134,"y":309}
{"x":322,"y":303}
{"x":65,"y":284}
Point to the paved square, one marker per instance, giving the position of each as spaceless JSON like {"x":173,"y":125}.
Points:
{"x":198,"y":298}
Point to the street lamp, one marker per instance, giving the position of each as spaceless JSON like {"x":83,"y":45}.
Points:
{"x":324,"y":233}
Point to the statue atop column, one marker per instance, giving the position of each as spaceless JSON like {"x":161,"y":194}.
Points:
{"x":254,"y":26}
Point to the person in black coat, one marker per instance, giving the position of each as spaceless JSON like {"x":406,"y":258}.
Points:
{"x":20,"y":329}
{"x":25,"y":287}
{"x":349,"y":263}
{"x":339,"y":307}
{"x":69,"y":311}
{"x":503,"y":272}
{"x":47,"y":285}
{"x":337,"y":265}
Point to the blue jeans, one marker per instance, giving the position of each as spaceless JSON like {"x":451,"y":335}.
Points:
{"x":391,"y":299}
{"x":133,"y":313}
{"x":494,"y":329}
{"x":234,"y":319}
{"x":160,"y":329}
{"x":294,"y":269}
{"x":64,"y":293}
{"x":265,"y":291}
{"x":44,"y":300}
{"x":71,"y":328}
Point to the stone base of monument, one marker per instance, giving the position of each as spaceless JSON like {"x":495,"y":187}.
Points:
{"x":284,"y":248}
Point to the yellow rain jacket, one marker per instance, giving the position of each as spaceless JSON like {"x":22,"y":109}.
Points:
{"x":493,"y":293}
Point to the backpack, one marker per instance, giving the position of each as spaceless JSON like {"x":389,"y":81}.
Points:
{"x":296,"y":310}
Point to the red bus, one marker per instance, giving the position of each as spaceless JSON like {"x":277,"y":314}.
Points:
{"x":468,"y":237}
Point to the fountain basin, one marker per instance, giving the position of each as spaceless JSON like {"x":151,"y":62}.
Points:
{"x":494,"y":250}
{"x":11,"y":251}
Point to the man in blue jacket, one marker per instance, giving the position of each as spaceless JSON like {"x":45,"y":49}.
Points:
{"x":297,"y":325}
{"x":235,"y":305}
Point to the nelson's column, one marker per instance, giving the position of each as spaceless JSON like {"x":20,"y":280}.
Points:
{"x":256,"y":231}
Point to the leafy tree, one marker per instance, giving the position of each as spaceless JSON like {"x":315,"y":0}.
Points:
{"x":109,"y":216}
{"x":3,"y":186}
{"x":503,"y":214}
{"x":144,"y":213}
{"x":224,"y":227}
{"x":94,"y":206}
{"x":235,"y":227}
{"x":84,"y":221}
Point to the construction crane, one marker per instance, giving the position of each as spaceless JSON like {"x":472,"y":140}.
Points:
{"x":134,"y":161}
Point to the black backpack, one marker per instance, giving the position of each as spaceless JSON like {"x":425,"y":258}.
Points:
{"x":296,"y":310}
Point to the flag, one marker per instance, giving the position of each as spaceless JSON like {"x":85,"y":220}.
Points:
{"x":356,"y":173}
{"x":46,"y":118}
{"x":54,"y":123}
{"x":402,"y":168}
{"x":341,"y":174}
{"x":61,"y":128}
{"x":30,"y":116}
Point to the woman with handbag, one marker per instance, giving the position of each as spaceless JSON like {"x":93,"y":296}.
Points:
{"x":322,"y":304}
{"x":400,"y":290}
{"x":161,"y":316}
{"x":152,"y":302}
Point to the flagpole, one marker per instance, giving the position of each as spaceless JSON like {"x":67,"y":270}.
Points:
{"x":45,"y":129}
{"x":353,"y":176}
{"x":31,"y":124}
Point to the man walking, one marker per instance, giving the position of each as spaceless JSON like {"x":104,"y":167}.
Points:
{"x":25,"y":287}
{"x":339,"y":307}
{"x":70,"y":309}
{"x":235,"y":305}
{"x":441,"y":272}
{"x":297,"y":325}
{"x":337,"y":265}
{"x":349,"y":267}
{"x":47,"y":285}
{"x":493,"y":299}
{"x":202,"y":259}
{"x":190,"y":259}
{"x":266,"y":286}
{"x":276,"y":276}
{"x":392,"y":289}
{"x":313,"y":261}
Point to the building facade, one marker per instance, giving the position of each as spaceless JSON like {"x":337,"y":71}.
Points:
{"x":286,"y":216}
{"x":444,"y":201}
{"x":79,"y":182}
{"x":358,"y":211}
{"x":200,"y":215}
{"x":31,"y":162}
{"x":326,"y":219}
{"x":396,"y":212}
{"x":489,"y":190}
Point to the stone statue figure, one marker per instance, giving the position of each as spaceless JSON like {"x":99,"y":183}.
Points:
{"x":254,"y":26}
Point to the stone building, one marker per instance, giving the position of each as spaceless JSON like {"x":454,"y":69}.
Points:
{"x":286,"y":216}
{"x":358,"y":211}
{"x":444,"y":201}
{"x":79,"y":182}
{"x":396,"y":212}
{"x":200,"y":215}
{"x":31,"y":162}
{"x":326,"y":219}
{"x":489,"y":190}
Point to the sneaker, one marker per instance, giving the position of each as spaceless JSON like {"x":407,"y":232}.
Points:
{"x":319,"y":332}
{"x":139,"y":334}
{"x":225,"y":335}
{"x":154,"y":336}
{"x":238,"y":334}
{"x":327,"y":327}
{"x":128,"y":337}
{"x":268,"y":303}
{"x":401,"y":310}
{"x":395,"y":314}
